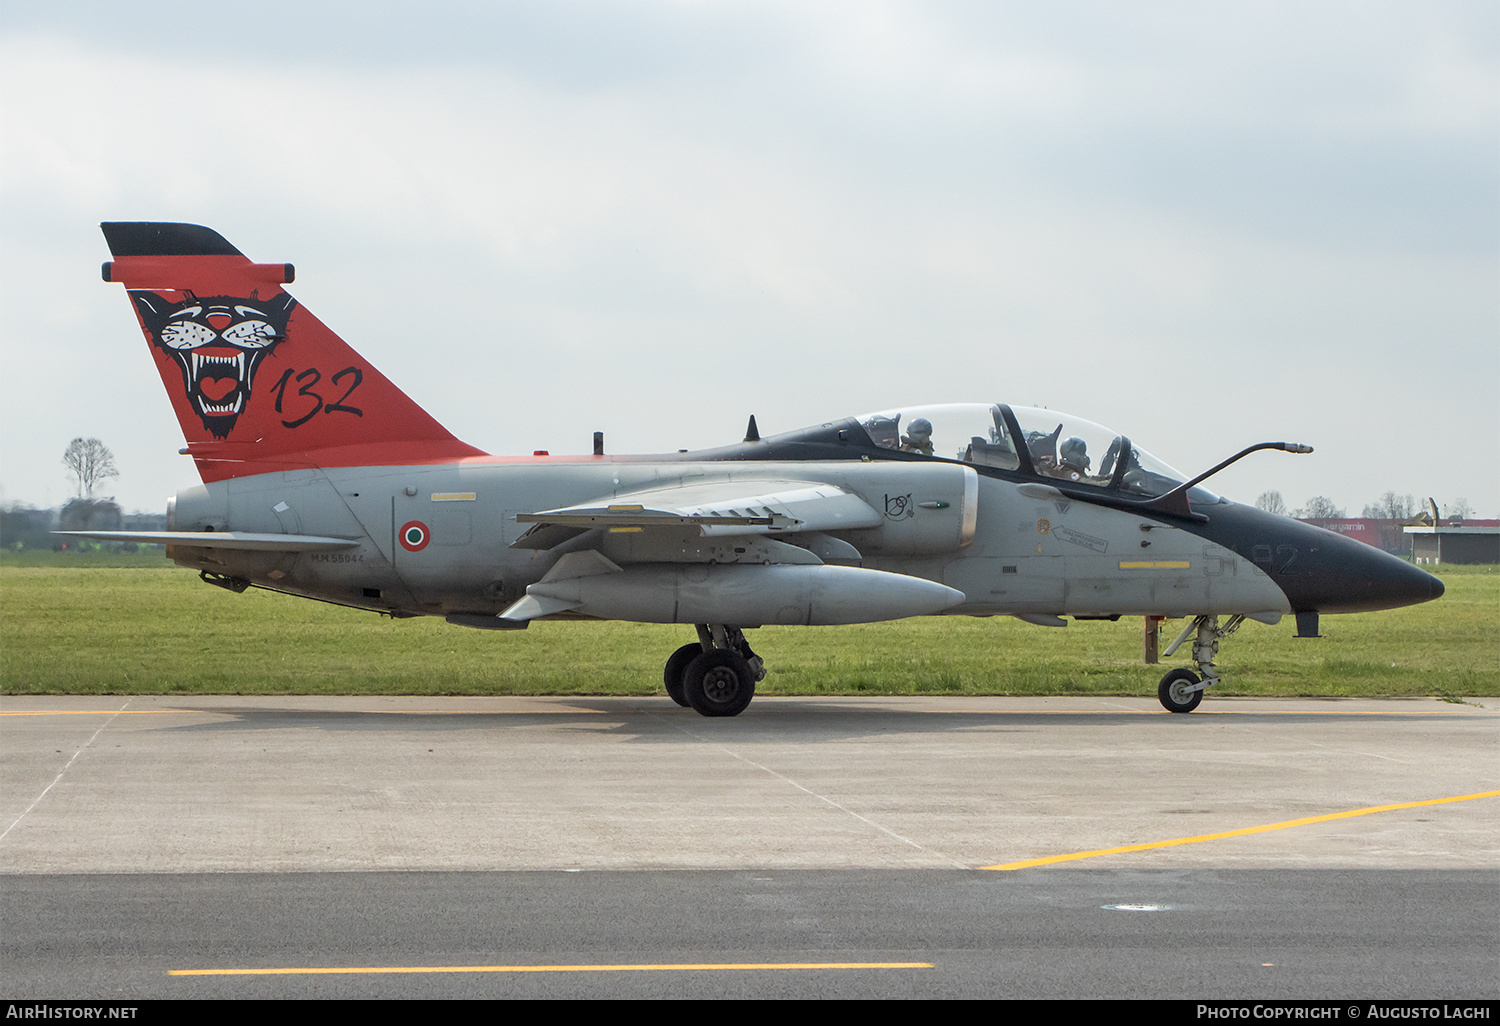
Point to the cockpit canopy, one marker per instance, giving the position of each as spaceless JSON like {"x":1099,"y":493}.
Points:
{"x":1032,"y":442}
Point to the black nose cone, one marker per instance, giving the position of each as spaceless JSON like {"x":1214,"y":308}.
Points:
{"x":1320,"y":571}
{"x":1351,"y":577}
{"x":1406,"y":585}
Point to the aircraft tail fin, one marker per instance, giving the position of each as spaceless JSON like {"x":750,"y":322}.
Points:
{"x":258,"y":383}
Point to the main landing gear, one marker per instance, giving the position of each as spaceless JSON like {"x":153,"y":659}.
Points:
{"x":1181,"y":690}
{"x":717,"y":675}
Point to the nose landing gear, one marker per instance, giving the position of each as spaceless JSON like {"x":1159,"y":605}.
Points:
{"x":1181,"y":690}
{"x":717,"y":675}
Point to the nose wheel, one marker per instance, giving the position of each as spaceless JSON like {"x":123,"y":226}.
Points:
{"x":1180,"y":691}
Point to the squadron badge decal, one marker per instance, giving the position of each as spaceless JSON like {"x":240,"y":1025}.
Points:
{"x":218,"y":342}
{"x":899,"y":507}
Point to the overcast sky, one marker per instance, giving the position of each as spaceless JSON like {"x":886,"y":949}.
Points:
{"x":1203,"y":225}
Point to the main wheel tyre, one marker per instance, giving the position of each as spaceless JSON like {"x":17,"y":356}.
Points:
{"x":676,"y":666}
{"x":1174,"y":694}
{"x":719,"y":683}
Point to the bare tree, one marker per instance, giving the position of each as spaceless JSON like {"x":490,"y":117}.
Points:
{"x":1319,"y":507}
{"x":1392,"y":511}
{"x":91,"y":462}
{"x":1391,"y":506}
{"x":1272,"y":502}
{"x":1459,"y":509}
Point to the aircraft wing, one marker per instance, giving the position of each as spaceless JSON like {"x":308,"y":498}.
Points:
{"x":720,"y":508}
{"x":223,"y":540}
{"x":712,"y":552}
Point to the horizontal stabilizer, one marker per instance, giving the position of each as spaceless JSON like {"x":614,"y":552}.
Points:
{"x":223,"y":540}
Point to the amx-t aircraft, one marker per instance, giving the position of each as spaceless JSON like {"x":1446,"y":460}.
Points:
{"x":322,"y":479}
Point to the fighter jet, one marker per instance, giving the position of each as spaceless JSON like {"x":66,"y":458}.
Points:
{"x":322,"y":479}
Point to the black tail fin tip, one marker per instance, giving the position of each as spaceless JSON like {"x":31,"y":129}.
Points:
{"x":164,"y":238}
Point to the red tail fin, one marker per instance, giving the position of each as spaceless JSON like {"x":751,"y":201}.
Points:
{"x":257,"y":381}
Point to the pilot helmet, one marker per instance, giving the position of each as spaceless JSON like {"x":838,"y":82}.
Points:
{"x":884,"y":431}
{"x":921,"y":429}
{"x":1074,"y":453}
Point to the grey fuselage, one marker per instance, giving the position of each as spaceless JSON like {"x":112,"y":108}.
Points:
{"x":976,"y":532}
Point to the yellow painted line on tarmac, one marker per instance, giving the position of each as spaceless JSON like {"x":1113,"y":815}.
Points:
{"x":639,"y":968}
{"x":1202,"y":711}
{"x":95,"y":712}
{"x":1243,"y":832}
{"x":239,"y":709}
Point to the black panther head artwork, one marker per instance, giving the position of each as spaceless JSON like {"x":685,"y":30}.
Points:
{"x":218,"y":341}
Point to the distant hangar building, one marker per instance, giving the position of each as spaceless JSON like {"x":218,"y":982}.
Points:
{"x":1467,"y":543}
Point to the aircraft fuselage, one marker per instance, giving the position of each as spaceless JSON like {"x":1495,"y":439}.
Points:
{"x":1008,"y":553}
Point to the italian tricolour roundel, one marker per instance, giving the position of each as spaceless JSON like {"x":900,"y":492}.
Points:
{"x":415,"y":536}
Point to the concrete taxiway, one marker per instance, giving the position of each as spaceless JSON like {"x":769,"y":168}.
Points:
{"x":880,"y":801}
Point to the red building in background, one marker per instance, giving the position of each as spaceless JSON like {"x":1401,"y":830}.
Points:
{"x":1384,"y":534}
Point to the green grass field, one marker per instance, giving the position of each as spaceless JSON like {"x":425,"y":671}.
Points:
{"x":105,"y":623}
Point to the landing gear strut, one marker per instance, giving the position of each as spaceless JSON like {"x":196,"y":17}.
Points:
{"x":1181,"y":690}
{"x":716,"y":676}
